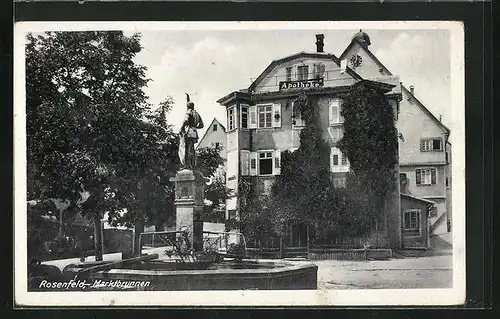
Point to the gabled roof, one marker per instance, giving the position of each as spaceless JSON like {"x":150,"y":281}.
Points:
{"x":321,"y":55}
{"x":370,"y":54}
{"x":429,"y":113}
{"x":206,"y":131}
{"x":420,"y":104}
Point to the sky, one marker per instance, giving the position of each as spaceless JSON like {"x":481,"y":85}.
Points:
{"x":208,"y":64}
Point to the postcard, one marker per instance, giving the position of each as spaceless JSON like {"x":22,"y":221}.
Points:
{"x":239,"y":163}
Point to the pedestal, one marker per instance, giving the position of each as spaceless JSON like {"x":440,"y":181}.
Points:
{"x":189,"y":194}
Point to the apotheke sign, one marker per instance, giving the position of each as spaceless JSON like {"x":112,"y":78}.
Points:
{"x":314,"y":83}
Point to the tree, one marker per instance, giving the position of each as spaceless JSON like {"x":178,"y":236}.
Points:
{"x":84,"y":105}
{"x":91,"y":131}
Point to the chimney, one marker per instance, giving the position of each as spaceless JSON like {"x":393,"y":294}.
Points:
{"x":412,"y":89}
{"x":319,"y":42}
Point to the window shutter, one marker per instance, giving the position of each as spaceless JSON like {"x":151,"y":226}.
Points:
{"x":418,"y":176}
{"x":277,"y":162}
{"x":344,"y":160}
{"x":253,"y":116}
{"x":253,"y":164}
{"x":276,"y":115}
{"x":422,"y":145}
{"x":245,"y":162}
{"x":433,"y":176}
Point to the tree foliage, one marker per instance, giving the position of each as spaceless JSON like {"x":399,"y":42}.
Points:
{"x":93,"y":140}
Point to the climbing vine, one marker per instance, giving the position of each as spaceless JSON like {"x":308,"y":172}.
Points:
{"x":304,"y":193}
{"x":370,"y":143}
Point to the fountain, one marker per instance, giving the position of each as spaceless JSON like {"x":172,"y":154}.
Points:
{"x":188,"y":260}
{"x":192,"y":259}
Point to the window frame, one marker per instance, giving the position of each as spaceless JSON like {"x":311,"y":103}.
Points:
{"x":299,"y":74}
{"x":409,"y":228}
{"x":339,"y":118}
{"x":343,"y":165}
{"x":259,"y":158}
{"x":259,"y":107}
{"x":430,"y":176}
{"x":427,"y":144}
{"x":214,"y":127}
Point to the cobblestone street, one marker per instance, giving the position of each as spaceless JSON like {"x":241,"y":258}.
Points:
{"x":421,"y":272}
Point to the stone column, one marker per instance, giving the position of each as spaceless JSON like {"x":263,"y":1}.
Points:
{"x":189,"y":194}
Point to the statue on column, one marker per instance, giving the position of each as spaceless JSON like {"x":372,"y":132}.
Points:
{"x":189,"y":136}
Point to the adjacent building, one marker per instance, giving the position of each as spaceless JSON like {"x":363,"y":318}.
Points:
{"x":215,"y":136}
{"x":424,"y":147}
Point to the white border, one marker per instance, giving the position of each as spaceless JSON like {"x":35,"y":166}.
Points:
{"x":409,"y":297}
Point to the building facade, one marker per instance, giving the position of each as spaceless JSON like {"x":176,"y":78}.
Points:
{"x":215,"y":136}
{"x":262,"y":123}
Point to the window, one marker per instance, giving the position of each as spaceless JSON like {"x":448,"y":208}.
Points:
{"x":426,"y":176}
{"x":338,"y":161}
{"x":302,"y":72}
{"x":244,"y":116}
{"x":318,"y":70}
{"x":265,"y":163}
{"x":265,"y":116}
{"x":447,"y":182}
{"x":431,"y":144}
{"x":412,"y":220}
{"x":214,"y":127}
{"x":289,"y":73}
{"x":217,"y":144}
{"x":334,"y":112}
{"x":231,"y":121}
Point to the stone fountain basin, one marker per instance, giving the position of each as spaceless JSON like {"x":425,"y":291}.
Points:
{"x":226,"y":275}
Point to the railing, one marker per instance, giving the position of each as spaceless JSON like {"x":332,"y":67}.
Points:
{"x":176,"y":243}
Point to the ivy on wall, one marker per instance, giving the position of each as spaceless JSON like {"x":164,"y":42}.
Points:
{"x":370,"y":143}
{"x":304,"y":193}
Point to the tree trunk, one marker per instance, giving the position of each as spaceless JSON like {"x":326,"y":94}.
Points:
{"x":138,"y":230}
{"x":98,"y":240}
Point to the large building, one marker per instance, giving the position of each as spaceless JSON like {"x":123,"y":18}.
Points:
{"x":262,"y":123}
{"x":255,"y":137}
